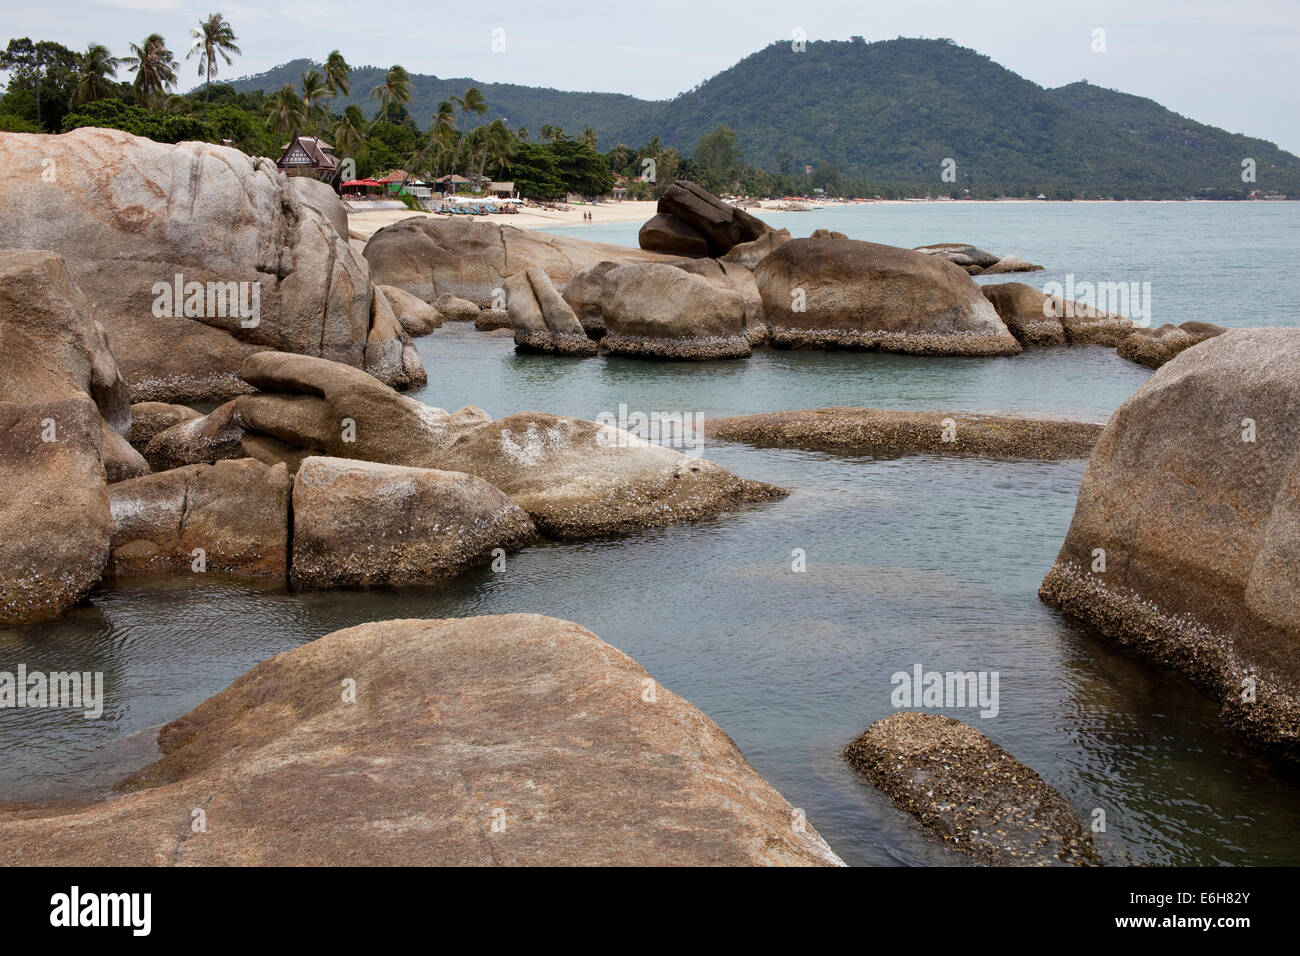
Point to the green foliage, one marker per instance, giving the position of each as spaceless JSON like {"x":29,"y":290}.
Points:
{"x":16,"y":124}
{"x":535,"y":174}
{"x":114,"y":114}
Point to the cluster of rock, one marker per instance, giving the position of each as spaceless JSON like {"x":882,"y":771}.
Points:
{"x":194,"y":256}
{"x":966,"y":790}
{"x":824,"y":292}
{"x":976,"y":261}
{"x":1183,"y":542}
{"x":317,"y":472}
{"x":884,"y":433}
{"x":508,"y":740}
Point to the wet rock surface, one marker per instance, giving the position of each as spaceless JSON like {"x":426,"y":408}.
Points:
{"x":966,"y":790}
{"x":888,"y":434}
{"x":431,"y":764}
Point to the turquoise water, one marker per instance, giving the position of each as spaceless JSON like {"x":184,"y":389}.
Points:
{"x":912,"y":561}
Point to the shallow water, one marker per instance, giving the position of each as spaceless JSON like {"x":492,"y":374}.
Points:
{"x":911,"y":561}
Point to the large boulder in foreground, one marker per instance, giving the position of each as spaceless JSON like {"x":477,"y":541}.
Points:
{"x":575,"y":478}
{"x":885,"y":433}
{"x":504,"y":740}
{"x":969,"y":792}
{"x":542,"y":320}
{"x":231,"y":517}
{"x":430,"y":257}
{"x":843,"y":293}
{"x":357,"y":523}
{"x":54,"y":519}
{"x":132,"y":218}
{"x":1183,"y":546}
{"x":660,"y":311}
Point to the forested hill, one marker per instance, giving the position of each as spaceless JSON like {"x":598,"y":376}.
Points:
{"x":892,"y":112}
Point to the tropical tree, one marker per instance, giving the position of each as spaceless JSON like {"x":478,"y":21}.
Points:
{"x":442,"y":130}
{"x":94,"y":69}
{"x":154,"y":67}
{"x":315,"y":94}
{"x":287,"y":113}
{"x":396,"y":88}
{"x":34,"y":63}
{"x":214,"y":38}
{"x":522,"y":134}
{"x":620,"y":155}
{"x":589,"y":136}
{"x":471,"y":102}
{"x":337,"y":73}
{"x":350,"y":131}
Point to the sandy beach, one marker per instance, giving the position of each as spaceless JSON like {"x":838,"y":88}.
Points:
{"x":362,"y":225}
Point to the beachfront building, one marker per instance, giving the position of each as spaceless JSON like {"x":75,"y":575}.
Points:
{"x":450,"y":183}
{"x":308,"y":156}
{"x":503,"y":190}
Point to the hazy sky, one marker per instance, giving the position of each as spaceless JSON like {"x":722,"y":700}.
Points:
{"x":1231,"y":63}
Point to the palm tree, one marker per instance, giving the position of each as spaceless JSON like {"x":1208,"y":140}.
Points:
{"x":443,"y":132}
{"x":589,"y":136}
{"x":522,"y":134}
{"x":498,"y":146}
{"x":619,"y":156}
{"x":471,"y":102}
{"x":350,"y":131}
{"x":214,"y":38}
{"x":396,"y":88}
{"x":315,"y":93}
{"x":287,"y":114}
{"x":337,"y":72}
{"x":94,"y":67}
{"x":154,"y":67}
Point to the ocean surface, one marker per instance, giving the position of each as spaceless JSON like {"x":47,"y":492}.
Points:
{"x":915,"y":561}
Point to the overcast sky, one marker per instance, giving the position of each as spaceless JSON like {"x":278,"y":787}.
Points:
{"x":1230,"y":63}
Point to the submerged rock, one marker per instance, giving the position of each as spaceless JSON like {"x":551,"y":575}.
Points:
{"x":889,"y":434}
{"x":504,"y":740}
{"x":1183,"y":543}
{"x":842,"y":293}
{"x":969,"y":792}
{"x":357,"y":523}
{"x":660,"y":311}
{"x":235,"y":512}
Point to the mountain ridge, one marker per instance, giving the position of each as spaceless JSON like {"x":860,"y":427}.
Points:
{"x":892,"y":111}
